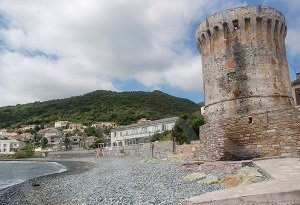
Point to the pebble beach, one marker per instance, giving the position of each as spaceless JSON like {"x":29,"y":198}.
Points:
{"x":108,"y":181}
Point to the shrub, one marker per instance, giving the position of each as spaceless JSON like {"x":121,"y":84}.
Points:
{"x":167,"y":135}
{"x":24,"y":153}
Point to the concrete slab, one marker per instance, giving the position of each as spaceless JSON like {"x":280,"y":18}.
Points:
{"x":283,"y":189}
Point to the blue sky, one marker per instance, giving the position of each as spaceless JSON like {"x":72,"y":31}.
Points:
{"x":55,"y":49}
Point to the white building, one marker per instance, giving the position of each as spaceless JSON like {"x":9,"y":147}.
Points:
{"x":60,"y":124}
{"x":140,"y":132}
{"x":10,"y":146}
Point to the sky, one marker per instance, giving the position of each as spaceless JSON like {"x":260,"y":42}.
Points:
{"x":54,"y":49}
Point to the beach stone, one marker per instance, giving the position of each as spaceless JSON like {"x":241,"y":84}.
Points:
{"x":249,"y":172}
{"x":244,"y":176}
{"x":210,"y":179}
{"x":231,"y":181}
{"x":195,"y":176}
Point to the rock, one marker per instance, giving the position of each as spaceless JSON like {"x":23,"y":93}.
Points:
{"x":231,"y":181}
{"x":195,"y":176}
{"x":251,"y":180}
{"x":244,"y":176}
{"x":210,"y":179}
{"x":248,"y":171}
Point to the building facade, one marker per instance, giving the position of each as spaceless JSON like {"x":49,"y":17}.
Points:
{"x":296,"y":90}
{"x":60,"y":124}
{"x":140,"y":132}
{"x":104,"y":125}
{"x":10,"y":146}
{"x":249,"y":108}
{"x":54,"y":137}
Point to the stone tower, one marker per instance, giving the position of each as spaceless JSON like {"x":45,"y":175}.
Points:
{"x":246,"y":77}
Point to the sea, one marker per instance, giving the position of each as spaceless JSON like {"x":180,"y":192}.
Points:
{"x":15,"y":172}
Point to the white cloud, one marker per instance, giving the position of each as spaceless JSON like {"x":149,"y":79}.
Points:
{"x":97,"y":41}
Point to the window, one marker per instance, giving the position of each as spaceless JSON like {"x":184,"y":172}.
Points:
{"x":297,"y":94}
{"x":250,"y":120}
{"x":4,"y":145}
{"x":164,"y":127}
{"x":235,"y":24}
{"x":144,"y":129}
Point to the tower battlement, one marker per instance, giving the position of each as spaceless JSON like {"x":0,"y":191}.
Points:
{"x":256,"y":25}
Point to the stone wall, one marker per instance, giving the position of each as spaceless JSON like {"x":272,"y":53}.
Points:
{"x":161,"y":150}
{"x":275,"y":133}
{"x":184,"y":149}
{"x":189,"y":149}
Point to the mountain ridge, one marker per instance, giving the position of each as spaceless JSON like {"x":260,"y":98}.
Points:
{"x":100,"y":105}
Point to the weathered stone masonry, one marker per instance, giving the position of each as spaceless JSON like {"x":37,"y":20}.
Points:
{"x":249,"y":111}
{"x":274,"y":133}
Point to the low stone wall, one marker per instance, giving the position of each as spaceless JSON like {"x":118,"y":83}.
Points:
{"x":132,"y":150}
{"x":275,"y":133}
{"x":161,"y":150}
{"x":184,"y":149}
{"x":188,"y":148}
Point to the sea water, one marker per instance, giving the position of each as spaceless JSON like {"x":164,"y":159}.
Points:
{"x":14,"y":172}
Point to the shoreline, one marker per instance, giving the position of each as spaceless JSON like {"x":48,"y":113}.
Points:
{"x":124,"y":180}
{"x":15,"y":193}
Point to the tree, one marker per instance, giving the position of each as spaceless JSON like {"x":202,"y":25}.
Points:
{"x":44,"y":142}
{"x":186,"y":128}
{"x":95,"y":144}
{"x":25,"y":152}
{"x":67,"y":143}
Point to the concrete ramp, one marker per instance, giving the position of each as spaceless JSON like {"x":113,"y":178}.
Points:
{"x":283,"y":189}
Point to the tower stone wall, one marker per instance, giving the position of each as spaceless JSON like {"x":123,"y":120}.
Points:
{"x":245,"y":74}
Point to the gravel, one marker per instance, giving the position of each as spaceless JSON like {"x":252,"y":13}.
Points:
{"x":109,"y":181}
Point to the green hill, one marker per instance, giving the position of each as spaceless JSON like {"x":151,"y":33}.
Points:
{"x":120,"y":107}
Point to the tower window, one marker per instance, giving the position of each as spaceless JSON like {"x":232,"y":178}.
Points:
{"x":250,"y":120}
{"x":235,"y":24}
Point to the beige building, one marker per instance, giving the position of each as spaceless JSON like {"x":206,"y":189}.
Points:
{"x":54,"y":137}
{"x":75,"y":126}
{"x":104,"y":124}
{"x":296,"y":90}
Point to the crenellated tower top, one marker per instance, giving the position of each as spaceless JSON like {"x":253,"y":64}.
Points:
{"x":241,"y":21}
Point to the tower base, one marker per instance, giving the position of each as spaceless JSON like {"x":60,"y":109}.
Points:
{"x":268,"y":134}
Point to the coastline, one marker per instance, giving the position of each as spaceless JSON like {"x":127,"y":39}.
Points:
{"x":16,"y":194}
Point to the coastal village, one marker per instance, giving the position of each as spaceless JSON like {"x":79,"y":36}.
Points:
{"x":246,"y":152}
{"x":64,"y":135}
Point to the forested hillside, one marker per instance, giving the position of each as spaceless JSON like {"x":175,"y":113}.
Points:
{"x":120,"y":107}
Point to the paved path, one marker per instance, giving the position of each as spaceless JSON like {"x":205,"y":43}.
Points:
{"x":283,"y":189}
